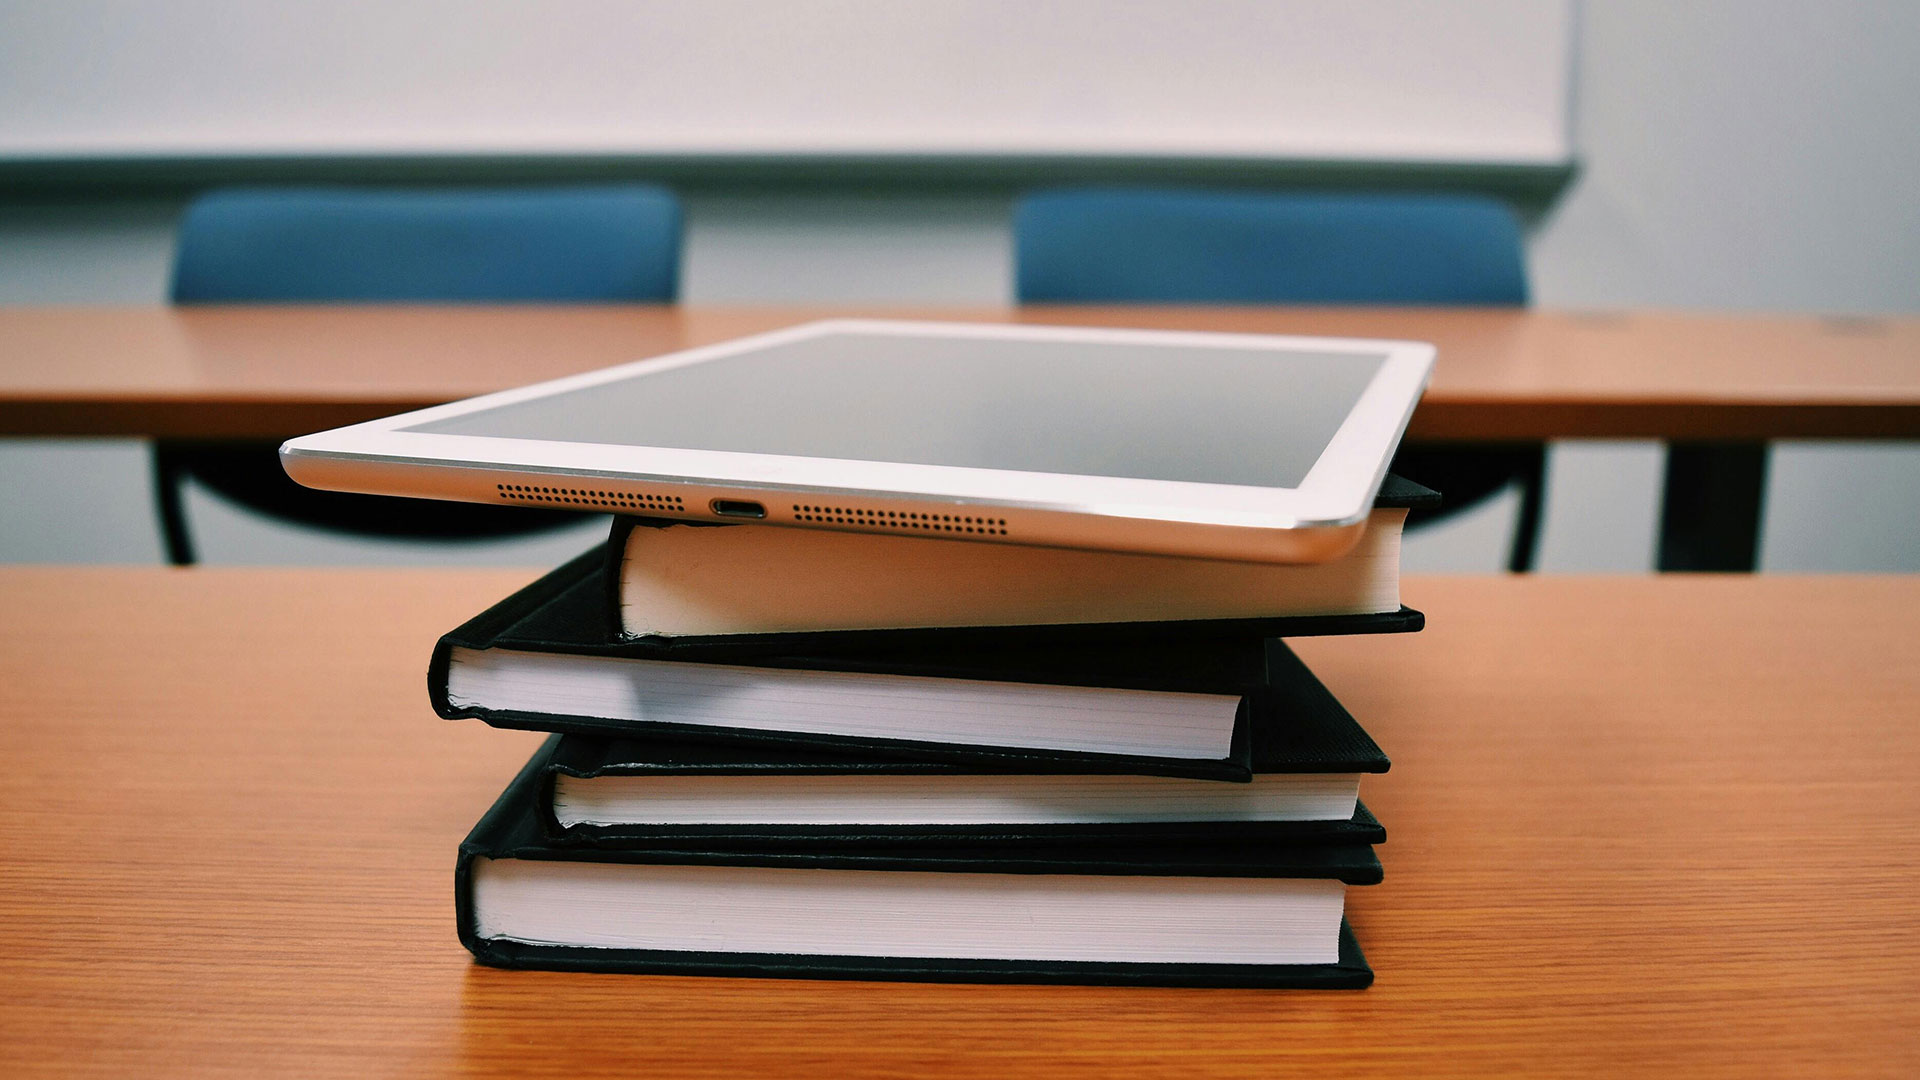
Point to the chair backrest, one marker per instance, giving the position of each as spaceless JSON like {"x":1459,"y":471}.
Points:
{"x":1119,"y":246}
{"x":601,"y":244}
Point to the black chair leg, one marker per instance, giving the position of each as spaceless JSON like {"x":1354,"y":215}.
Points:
{"x":169,"y":500}
{"x":1526,"y":526}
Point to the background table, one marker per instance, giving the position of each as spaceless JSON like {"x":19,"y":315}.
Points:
{"x":1653,"y":824}
{"x":1714,"y":386}
{"x":1503,"y":374}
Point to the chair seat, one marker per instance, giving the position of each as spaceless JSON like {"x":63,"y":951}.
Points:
{"x":588,"y":244}
{"x":1144,"y":246}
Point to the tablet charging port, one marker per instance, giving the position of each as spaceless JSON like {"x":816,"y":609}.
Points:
{"x":740,"y":508}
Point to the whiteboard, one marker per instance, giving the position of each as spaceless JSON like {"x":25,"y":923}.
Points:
{"x":1468,"y":81}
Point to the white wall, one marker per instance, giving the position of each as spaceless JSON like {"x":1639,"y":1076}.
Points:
{"x":1757,"y":154}
{"x":1469,"y":80}
{"x":1742,"y":154}
{"x":1736,"y":155}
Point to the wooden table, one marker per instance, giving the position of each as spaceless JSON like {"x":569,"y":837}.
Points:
{"x":1503,"y":374}
{"x":1651,"y":825}
{"x":1715,"y":386}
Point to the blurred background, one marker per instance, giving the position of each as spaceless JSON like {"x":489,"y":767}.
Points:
{"x":1733,"y":155}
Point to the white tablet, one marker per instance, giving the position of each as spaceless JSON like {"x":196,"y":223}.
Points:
{"x":1229,"y":446}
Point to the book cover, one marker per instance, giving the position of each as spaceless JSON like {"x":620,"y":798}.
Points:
{"x":565,"y":614}
{"x":511,"y":832}
{"x":1308,"y":734}
{"x":562,"y":614}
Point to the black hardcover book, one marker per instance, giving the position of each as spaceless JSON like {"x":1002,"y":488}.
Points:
{"x":549,"y":658}
{"x":546,"y":659}
{"x":1305,"y":790}
{"x":699,"y":585}
{"x":1179,"y":914}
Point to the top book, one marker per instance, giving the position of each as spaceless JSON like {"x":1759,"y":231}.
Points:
{"x":679,"y":580}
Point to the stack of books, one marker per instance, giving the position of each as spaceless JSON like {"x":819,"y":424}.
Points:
{"x":785,"y":752}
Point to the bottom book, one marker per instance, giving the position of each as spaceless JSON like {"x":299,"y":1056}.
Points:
{"x":1188,"y":914}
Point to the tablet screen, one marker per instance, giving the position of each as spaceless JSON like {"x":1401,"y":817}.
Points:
{"x":1256,"y":416}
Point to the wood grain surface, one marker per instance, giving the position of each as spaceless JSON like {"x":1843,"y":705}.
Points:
{"x":1643,"y":826}
{"x":265,"y":372}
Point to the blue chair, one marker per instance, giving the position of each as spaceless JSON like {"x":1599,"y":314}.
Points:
{"x":1172,"y":247}
{"x":603,"y":244}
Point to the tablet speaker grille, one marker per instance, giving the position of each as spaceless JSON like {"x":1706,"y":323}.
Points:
{"x":592,"y":499}
{"x":901,"y":520}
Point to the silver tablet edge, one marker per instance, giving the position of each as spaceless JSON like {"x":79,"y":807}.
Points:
{"x":678,"y":499}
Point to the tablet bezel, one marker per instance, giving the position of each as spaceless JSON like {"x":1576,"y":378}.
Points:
{"x":379,"y":457}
